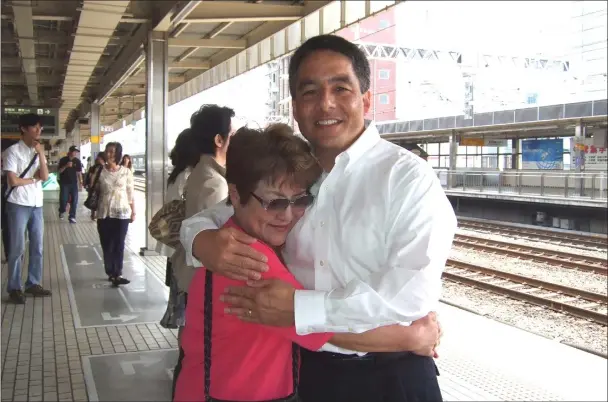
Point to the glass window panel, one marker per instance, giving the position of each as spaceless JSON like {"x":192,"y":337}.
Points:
{"x":505,"y":150}
{"x":444,"y":161}
{"x":462,"y":150}
{"x":567,"y":143}
{"x":472,"y":150}
{"x":489,"y":150}
{"x":434,"y":161}
{"x":461,"y":161}
{"x":444,"y":147}
{"x":433,"y":149}
{"x":567,"y":161}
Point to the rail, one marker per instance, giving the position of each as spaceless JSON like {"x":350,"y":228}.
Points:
{"x":553,"y":257}
{"x":577,"y":302}
{"x":588,"y":185}
{"x":586,"y":242}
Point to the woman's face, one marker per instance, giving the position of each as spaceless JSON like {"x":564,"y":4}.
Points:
{"x":264,"y":217}
{"x":110,"y":154}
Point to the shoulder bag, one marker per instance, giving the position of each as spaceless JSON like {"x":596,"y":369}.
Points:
{"x":6,"y":192}
{"x":92,"y":201}
{"x":208,"y":311}
{"x":167,"y":221}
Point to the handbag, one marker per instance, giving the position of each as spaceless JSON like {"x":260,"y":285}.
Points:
{"x":92,"y":201}
{"x":295,"y":353}
{"x":167,"y":221}
{"x":6,"y":192}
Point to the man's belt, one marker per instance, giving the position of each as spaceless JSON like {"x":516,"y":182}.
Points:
{"x":376,"y":356}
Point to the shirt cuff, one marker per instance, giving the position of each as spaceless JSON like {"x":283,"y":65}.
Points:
{"x":309,"y":311}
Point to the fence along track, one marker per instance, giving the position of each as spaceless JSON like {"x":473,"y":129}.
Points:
{"x":577,"y":302}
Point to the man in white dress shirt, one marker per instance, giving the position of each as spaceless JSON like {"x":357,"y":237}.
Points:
{"x":373,"y":245}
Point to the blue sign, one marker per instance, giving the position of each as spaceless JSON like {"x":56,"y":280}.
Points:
{"x":542,"y":154}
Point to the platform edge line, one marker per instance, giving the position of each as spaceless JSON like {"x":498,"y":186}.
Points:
{"x":71,"y":295}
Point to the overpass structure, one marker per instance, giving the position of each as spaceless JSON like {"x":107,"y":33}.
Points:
{"x":551,"y":120}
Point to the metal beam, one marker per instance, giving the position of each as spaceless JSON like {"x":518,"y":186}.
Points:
{"x":22,"y":10}
{"x":214,"y":32}
{"x":191,"y":65}
{"x":42,"y":17}
{"x":220,"y":11}
{"x":208,"y":43}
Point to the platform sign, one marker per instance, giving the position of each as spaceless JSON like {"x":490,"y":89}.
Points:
{"x":543,"y":154}
{"x":586,"y":156}
{"x":10,"y":120}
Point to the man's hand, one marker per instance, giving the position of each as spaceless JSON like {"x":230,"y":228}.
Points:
{"x":227,"y":252}
{"x":39,"y":148}
{"x":428,"y":332}
{"x":69,"y":164}
{"x":268,"y":302}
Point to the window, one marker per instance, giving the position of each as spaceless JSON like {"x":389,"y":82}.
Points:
{"x":384,"y":99}
{"x":384,"y":24}
{"x":384,"y":74}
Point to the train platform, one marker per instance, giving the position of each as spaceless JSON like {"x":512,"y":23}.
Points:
{"x":565,"y":188}
{"x":91,"y":342}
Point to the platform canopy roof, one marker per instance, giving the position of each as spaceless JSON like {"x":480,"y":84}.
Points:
{"x":67,"y":53}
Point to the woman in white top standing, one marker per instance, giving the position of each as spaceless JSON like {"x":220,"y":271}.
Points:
{"x":115,"y":211}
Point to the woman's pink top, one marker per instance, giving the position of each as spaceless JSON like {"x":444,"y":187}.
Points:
{"x":249,"y":362}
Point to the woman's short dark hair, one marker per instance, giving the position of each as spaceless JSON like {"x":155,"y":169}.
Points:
{"x":206,"y":123}
{"x":101,"y":156}
{"x":117,"y":151}
{"x":336,"y":44}
{"x":183,"y":155}
{"x":269,"y":155}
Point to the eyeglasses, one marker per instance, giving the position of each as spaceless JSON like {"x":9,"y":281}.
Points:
{"x":281,"y":204}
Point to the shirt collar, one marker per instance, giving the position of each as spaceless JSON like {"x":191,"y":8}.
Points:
{"x":23,"y":145}
{"x":364,"y":143}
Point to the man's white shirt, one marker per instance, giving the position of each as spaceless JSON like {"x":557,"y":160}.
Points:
{"x":373,"y":245}
{"x":16,"y":159}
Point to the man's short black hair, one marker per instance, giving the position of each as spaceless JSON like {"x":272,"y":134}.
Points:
{"x":28,"y":120}
{"x":206,"y":123}
{"x":335,"y":44}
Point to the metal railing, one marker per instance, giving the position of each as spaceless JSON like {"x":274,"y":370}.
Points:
{"x":589,"y":185}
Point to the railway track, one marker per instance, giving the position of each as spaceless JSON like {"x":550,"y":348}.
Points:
{"x":577,"y":302}
{"x":562,"y":239}
{"x":560,"y":258}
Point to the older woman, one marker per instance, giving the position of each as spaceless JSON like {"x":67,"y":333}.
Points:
{"x":269,"y":174}
{"x":115,"y":210}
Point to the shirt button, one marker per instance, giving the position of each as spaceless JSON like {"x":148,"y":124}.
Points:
{"x":321,"y":263}
{"x":322,"y":223}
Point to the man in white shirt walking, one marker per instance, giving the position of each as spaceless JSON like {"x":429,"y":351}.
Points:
{"x":373,"y":245}
{"x":24,"y":208}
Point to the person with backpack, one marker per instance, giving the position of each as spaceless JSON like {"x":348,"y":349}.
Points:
{"x":26,"y":169}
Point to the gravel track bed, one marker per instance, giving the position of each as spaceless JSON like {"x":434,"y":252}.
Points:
{"x":548,"y":245}
{"x":550,"y":323}
{"x":564,"y":276}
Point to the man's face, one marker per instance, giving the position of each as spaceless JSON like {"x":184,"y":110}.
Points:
{"x":328,"y":104}
{"x":32,"y":132}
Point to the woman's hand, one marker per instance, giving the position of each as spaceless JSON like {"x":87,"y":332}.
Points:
{"x":132,"y":216}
